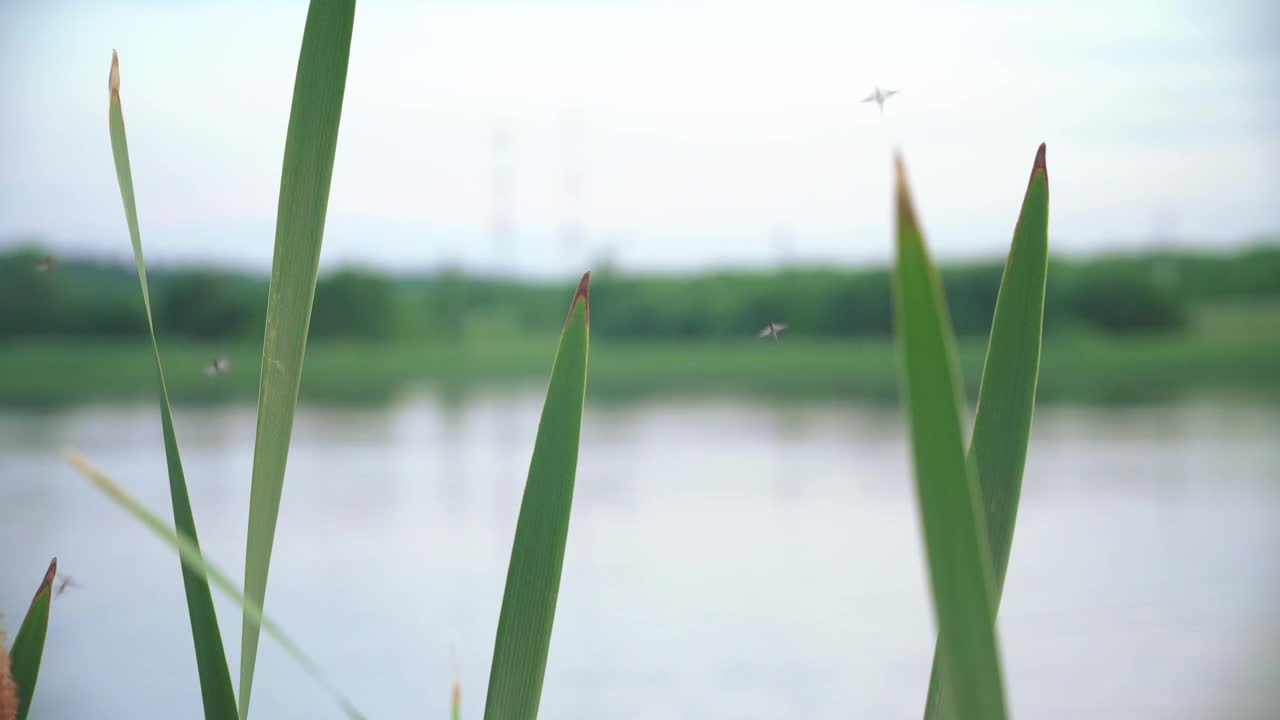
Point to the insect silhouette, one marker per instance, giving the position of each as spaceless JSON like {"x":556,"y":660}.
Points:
{"x":217,"y":366}
{"x":65,"y":582}
{"x":771,"y":330}
{"x":879,"y":97}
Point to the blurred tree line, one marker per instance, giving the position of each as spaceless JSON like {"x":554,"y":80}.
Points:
{"x":1115,"y":295}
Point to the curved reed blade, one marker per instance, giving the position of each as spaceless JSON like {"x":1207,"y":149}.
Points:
{"x":28,"y":644}
{"x":1006,"y":398}
{"x":191,"y":555}
{"x":211,"y":660}
{"x":955,"y":533}
{"x":537,"y":554}
{"x":304,"y":197}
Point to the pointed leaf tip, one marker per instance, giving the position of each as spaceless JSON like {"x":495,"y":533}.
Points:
{"x":49,"y":575}
{"x":583,"y":293}
{"x":113,"y":80}
{"x":899,"y":172}
{"x":902,"y":196}
{"x":1040,"y":167}
{"x":22,"y":663}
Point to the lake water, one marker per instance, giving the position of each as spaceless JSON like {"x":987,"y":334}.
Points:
{"x":726,"y":559}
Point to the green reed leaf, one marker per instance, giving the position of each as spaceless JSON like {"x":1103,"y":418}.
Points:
{"x":211,"y":660}
{"x":1006,"y":399}
{"x":192,"y":557}
{"x":955,"y":533}
{"x":28,"y":644}
{"x":304,"y":197}
{"x":537,"y":554}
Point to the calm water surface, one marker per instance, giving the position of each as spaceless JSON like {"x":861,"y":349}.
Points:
{"x":727,"y":559}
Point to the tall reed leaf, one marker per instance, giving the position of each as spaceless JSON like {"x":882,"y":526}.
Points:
{"x":304,"y":196}
{"x":955,"y":533}
{"x":537,"y":555}
{"x":190,"y":554}
{"x":28,"y":644}
{"x":1006,"y":398}
{"x":211,"y":660}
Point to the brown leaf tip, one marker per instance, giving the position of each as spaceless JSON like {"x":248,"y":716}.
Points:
{"x":113,"y":80}
{"x":583,"y":293}
{"x":1039,"y":167}
{"x":47,"y":583}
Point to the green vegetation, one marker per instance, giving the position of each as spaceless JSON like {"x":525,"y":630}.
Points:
{"x":1006,"y":401}
{"x":947,"y":491}
{"x":308,"y":166}
{"x":211,"y":661}
{"x":309,"y":149}
{"x":1122,"y":328}
{"x":1148,"y":294}
{"x":537,"y":554}
{"x":528,"y":608}
{"x":1117,"y":328}
{"x":28,"y":646}
{"x":1226,"y":347}
{"x":192,"y":558}
{"x":524,"y":628}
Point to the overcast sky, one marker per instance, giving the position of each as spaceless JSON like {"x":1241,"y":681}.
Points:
{"x":703,"y":133}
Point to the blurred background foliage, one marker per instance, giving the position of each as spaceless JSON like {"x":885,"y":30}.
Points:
{"x":1147,"y":293}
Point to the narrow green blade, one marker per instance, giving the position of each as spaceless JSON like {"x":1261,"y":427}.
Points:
{"x":28,"y":644}
{"x":211,"y":660}
{"x":1006,"y":398}
{"x":533,"y":578}
{"x":304,"y":196}
{"x":955,"y":533}
{"x":192,"y":557}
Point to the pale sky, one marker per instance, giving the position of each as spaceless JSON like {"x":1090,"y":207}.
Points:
{"x":707,"y":133}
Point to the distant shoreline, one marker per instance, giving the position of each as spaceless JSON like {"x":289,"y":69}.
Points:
{"x":1242,"y":357}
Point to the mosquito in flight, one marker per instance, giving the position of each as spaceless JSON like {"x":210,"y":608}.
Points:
{"x":879,"y":97}
{"x":64,"y":583}
{"x":771,"y":330}
{"x":217,"y":366}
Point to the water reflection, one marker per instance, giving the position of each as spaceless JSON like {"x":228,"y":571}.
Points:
{"x":726,"y":559}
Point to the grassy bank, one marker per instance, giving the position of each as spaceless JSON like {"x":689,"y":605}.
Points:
{"x":1227,"y":349}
